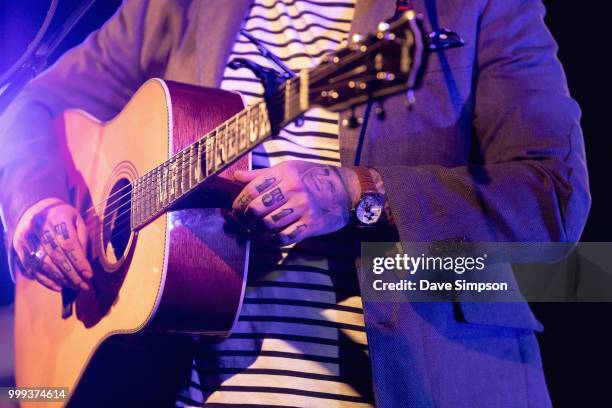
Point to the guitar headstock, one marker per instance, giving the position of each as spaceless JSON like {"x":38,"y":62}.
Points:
{"x":382,"y":63}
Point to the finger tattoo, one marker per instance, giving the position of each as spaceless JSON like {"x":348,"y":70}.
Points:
{"x":265,"y":185}
{"x":61,"y":229}
{"x":297,"y":231}
{"x":243,"y":202}
{"x":48,"y":239}
{"x":281,"y":214}
{"x":273,"y":197}
{"x":70,"y":254}
{"x":65,"y":266}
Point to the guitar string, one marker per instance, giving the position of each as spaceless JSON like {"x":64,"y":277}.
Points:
{"x":212,"y":134}
{"x":137,"y":196}
{"x":280,"y":94}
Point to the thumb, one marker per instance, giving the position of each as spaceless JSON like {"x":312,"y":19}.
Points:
{"x":246,"y":176}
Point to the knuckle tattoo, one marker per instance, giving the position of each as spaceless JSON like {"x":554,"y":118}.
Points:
{"x":273,"y":197}
{"x":70,"y":254}
{"x":297,"y":231}
{"x":65,"y":266}
{"x":281,"y":214}
{"x":48,"y":239}
{"x":61,"y":230}
{"x":243,"y":201}
{"x":265,"y":184}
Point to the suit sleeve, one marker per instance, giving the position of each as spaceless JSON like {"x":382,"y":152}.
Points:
{"x":529,"y":180}
{"x":98,"y":76}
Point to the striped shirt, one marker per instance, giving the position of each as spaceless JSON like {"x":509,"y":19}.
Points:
{"x":300,"y":340}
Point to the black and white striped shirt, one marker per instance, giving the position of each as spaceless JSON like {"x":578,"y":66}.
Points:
{"x":300,"y":340}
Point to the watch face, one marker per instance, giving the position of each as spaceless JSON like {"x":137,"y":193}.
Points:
{"x":369,"y":209}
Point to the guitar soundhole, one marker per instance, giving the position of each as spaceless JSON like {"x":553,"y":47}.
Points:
{"x":116,"y":233}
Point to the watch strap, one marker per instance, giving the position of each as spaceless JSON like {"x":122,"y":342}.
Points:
{"x":366,"y":181}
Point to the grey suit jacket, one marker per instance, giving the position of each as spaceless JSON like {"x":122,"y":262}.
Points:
{"x":492,"y":151}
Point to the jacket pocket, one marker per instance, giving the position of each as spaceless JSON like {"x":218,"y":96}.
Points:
{"x":516,"y":315}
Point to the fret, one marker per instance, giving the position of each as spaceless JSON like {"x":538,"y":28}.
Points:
{"x":210,"y":155}
{"x":160,"y":186}
{"x":253,"y":126}
{"x":218,"y":147}
{"x":142,"y":198}
{"x":139,"y":191}
{"x":242,"y":131}
{"x":153,"y":192}
{"x":138,"y":201}
{"x":178,"y":169}
{"x":288,"y":98}
{"x":197,"y":168}
{"x":222,"y":143}
{"x":304,"y":88}
{"x":225,"y":141}
{"x":264,"y":121}
{"x":133,"y":202}
{"x":171,"y":179}
{"x":164,"y":183}
{"x":184,"y":165}
{"x":150,"y":196}
{"x":189,"y":166}
{"x":199,"y":176}
{"x":179,"y":175}
{"x":192,"y":162}
{"x":231,"y":144}
{"x":146,"y":197}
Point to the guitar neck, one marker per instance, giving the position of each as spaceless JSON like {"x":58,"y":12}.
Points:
{"x":384,"y":63}
{"x":165,"y":185}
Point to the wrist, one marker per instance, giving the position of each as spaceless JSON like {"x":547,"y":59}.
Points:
{"x":378,"y":181}
{"x":353,"y":187}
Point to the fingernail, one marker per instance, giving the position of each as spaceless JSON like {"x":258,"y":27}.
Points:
{"x":88,"y":274}
{"x":84,"y":286}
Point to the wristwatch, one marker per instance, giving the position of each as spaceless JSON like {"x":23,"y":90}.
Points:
{"x":371,"y":204}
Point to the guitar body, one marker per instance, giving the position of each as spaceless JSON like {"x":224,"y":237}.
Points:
{"x":185,"y":271}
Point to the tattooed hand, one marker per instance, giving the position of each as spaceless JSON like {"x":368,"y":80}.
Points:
{"x":57,"y":233}
{"x":296,"y":199}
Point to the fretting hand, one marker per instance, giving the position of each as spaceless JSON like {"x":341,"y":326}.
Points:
{"x":296,"y":199}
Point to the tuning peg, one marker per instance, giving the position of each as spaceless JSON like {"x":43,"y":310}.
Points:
{"x":444,"y":39}
{"x":356,"y":38}
{"x":383,"y":26}
{"x":352,"y":122}
{"x":380,"y":112}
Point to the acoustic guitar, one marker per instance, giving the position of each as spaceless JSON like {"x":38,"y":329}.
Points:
{"x":151,"y":185}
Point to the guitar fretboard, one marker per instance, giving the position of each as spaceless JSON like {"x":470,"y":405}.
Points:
{"x":162,"y":187}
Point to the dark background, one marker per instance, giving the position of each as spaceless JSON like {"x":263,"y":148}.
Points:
{"x":577,"y":342}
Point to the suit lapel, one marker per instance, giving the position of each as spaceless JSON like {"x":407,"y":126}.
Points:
{"x":218,"y":25}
